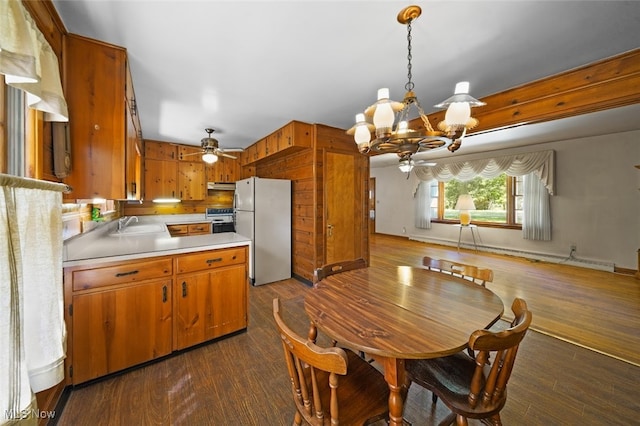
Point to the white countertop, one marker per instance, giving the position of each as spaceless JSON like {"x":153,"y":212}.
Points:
{"x":104,"y":244}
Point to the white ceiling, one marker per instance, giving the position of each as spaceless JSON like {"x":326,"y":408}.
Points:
{"x":246,"y":68}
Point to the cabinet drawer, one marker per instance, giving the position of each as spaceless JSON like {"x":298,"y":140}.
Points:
{"x":178,"y":230}
{"x":119,"y":274}
{"x":210,"y":259}
{"x":199,"y":228}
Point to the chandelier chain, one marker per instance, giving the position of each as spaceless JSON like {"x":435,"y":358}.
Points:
{"x":409,"y":86}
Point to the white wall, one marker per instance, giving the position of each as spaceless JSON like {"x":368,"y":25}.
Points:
{"x":596,"y":206}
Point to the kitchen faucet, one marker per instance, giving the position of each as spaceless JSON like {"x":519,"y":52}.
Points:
{"x":124,"y":221}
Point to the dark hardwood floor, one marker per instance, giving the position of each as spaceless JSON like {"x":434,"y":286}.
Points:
{"x":241,"y":380}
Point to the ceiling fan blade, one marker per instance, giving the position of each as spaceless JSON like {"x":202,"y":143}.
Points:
{"x":193,"y":153}
{"x":227,"y":155}
{"x":231,"y":149}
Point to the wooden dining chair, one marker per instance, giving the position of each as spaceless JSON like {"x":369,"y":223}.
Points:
{"x":331,"y":385}
{"x":473,"y":387}
{"x":335,"y":268}
{"x":473,"y":273}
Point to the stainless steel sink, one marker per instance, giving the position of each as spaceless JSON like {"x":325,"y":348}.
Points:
{"x":146,"y":228}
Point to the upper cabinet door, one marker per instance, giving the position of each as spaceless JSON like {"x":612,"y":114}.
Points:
{"x":95,"y":77}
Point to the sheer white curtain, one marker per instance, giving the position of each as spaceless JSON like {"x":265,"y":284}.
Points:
{"x":32,"y":329}
{"x":536,"y":224}
{"x":541,"y":163}
{"x":29,"y":63}
{"x":537,"y":166}
{"x":422,"y":205}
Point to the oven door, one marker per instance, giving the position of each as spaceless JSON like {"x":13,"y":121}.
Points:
{"x":223,"y":227}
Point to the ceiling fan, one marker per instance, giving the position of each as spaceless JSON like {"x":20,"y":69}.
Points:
{"x":211,"y":149}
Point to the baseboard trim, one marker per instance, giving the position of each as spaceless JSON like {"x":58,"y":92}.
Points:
{"x":570,"y":260}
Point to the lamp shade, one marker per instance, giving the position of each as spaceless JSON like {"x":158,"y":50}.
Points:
{"x":465,"y":202}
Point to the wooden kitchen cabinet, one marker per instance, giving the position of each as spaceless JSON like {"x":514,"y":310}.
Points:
{"x":224,"y":170}
{"x":191,"y":180}
{"x":294,"y":136}
{"x":165,"y":176}
{"x":189,"y":153}
{"x":156,"y":150}
{"x":118,"y":315}
{"x":186,"y":229}
{"x":134,"y":149}
{"x":101,"y":138}
{"x":122,"y":314}
{"x":210,"y":295}
{"x":261,"y":149}
{"x":160,"y":179}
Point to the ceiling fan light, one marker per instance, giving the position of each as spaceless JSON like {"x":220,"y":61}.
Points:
{"x":209,"y":158}
{"x":406,"y":166}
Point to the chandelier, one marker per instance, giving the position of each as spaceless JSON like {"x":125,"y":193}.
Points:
{"x":389,"y":120}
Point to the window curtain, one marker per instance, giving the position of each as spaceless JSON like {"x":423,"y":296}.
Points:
{"x":541,"y":163}
{"x":29,"y":63}
{"x":536,"y":224}
{"x":422,"y":205}
{"x":537,"y":168}
{"x":32,"y":329}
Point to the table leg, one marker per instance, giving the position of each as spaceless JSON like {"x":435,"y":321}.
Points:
{"x":394,"y":374}
{"x":459,"y":237}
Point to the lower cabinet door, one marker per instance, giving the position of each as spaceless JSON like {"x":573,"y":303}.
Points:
{"x":209,"y":305}
{"x":117,"y":329}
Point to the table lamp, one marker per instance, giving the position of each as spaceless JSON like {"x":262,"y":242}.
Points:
{"x":464,"y":204}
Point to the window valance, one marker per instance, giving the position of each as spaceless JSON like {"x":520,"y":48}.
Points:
{"x":29,"y":63}
{"x":541,"y":163}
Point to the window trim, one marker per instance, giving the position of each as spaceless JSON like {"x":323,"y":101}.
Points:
{"x":511,"y":213}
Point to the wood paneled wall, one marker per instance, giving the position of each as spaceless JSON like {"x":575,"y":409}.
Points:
{"x":299,"y":169}
{"x":610,"y":83}
{"x":305,"y":169}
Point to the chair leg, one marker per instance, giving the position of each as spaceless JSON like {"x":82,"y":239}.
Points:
{"x":461,"y":420}
{"x":493,"y":420}
{"x":434,"y":398}
{"x":447,"y":421}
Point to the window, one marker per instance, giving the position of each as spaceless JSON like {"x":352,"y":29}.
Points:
{"x":15,"y":141}
{"x":498,"y":200}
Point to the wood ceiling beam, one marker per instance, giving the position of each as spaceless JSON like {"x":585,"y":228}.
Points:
{"x":609,"y":83}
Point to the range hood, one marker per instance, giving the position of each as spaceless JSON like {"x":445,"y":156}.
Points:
{"x":221,"y":186}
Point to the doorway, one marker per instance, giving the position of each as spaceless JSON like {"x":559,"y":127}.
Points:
{"x":372,"y":205}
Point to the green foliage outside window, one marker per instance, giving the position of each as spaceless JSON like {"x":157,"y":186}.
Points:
{"x":489,"y":197}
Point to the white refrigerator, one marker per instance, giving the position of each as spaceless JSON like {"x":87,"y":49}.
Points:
{"x":263,"y":214}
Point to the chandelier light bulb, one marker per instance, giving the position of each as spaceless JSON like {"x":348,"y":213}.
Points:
{"x":403,"y":126}
{"x":458,"y":113}
{"x":362,"y":134}
{"x":209,"y":158}
{"x":383,"y":116}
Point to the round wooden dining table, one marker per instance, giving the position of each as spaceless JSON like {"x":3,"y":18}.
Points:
{"x":394,"y":313}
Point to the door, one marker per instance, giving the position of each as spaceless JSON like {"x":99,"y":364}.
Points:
{"x":341,"y":227}
{"x":116,"y":329}
{"x":372,"y":205}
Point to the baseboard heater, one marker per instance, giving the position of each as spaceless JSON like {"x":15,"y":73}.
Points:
{"x":566,"y":260}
